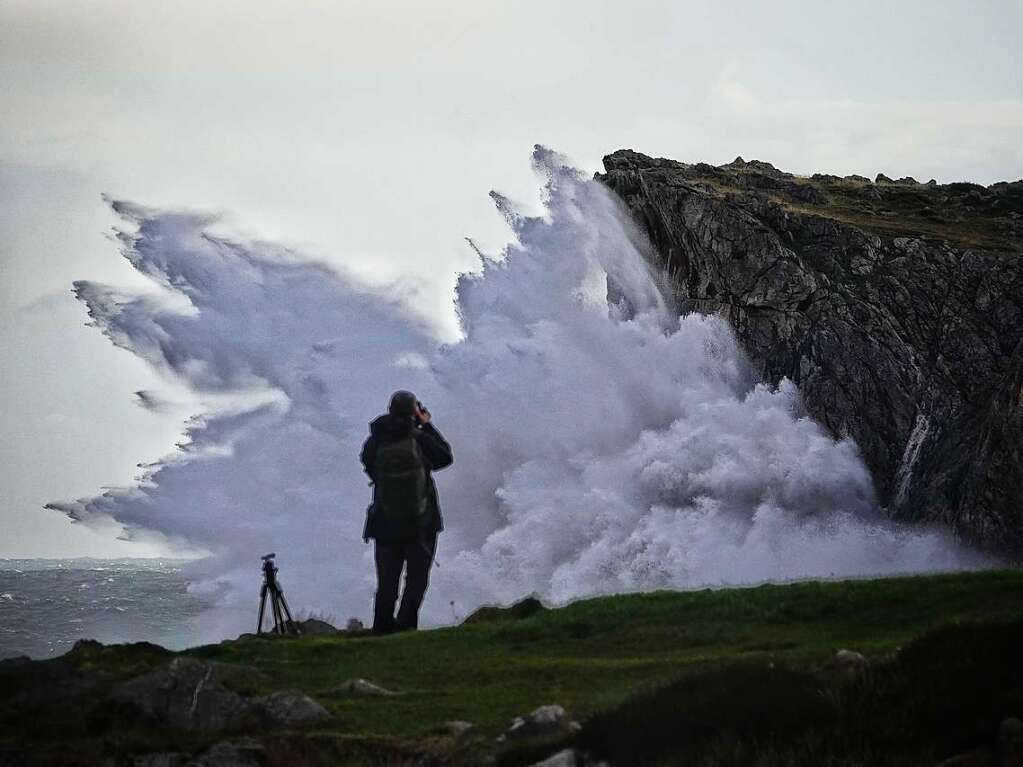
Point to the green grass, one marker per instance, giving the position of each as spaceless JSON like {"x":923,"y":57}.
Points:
{"x":941,"y":214}
{"x":603,"y":658}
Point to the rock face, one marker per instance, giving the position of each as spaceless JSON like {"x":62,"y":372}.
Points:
{"x":897,"y":308}
{"x":190,"y":694}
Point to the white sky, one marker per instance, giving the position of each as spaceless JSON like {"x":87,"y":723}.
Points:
{"x":370,"y":133}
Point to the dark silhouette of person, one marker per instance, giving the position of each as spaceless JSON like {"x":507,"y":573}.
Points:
{"x":399,"y":547}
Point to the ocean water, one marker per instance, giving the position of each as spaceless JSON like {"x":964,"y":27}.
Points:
{"x":46,"y":605}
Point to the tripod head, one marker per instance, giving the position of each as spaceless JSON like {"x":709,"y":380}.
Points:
{"x":269,"y":568}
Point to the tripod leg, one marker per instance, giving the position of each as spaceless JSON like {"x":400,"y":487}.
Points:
{"x":292,"y":628}
{"x":278,"y":618}
{"x":262,"y":607}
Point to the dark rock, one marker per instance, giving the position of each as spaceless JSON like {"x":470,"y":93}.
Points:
{"x":850,"y":661}
{"x":543,"y":721}
{"x":525,"y":608}
{"x":457,"y":728}
{"x":315,"y":627}
{"x":912,"y":347}
{"x":287,"y":708}
{"x":881,"y":178}
{"x":858,"y":179}
{"x":188,"y":694}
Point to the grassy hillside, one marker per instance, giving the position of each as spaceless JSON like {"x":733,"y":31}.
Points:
{"x":732,"y":676}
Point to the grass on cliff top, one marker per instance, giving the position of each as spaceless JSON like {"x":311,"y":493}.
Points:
{"x":722,"y":677}
{"x":907,"y":210}
{"x":594,"y":654}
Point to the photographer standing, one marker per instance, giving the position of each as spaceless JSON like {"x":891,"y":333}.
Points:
{"x":404,"y":519}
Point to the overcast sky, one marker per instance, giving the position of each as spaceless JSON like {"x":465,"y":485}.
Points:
{"x":369,"y":134}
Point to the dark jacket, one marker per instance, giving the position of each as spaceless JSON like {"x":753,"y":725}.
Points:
{"x":436,"y":455}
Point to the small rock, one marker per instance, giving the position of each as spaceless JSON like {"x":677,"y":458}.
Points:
{"x":545,"y":720}
{"x":566,"y":758}
{"x":243,"y":752}
{"x":359,"y":688}
{"x":458,"y":728}
{"x":286,"y":708}
{"x":848,"y":660}
{"x":355,"y":625}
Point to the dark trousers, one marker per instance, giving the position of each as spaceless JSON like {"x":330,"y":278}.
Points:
{"x":391,"y":558}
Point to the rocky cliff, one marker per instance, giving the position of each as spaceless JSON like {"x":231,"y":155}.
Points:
{"x":896,"y":306}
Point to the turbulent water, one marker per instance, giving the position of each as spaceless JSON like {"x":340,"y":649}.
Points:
{"x":47,"y":605}
{"x":602,"y":443}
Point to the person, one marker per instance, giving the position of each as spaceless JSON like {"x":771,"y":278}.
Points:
{"x":404,"y":519}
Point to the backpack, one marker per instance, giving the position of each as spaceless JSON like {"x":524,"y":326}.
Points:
{"x":400,"y":494}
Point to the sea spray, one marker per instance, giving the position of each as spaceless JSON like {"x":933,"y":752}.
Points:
{"x":602,"y":443}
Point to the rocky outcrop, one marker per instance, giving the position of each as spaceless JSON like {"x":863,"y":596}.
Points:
{"x":897,"y":307}
{"x":191,"y":694}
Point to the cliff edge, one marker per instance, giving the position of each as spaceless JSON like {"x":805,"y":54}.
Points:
{"x":896,"y":306}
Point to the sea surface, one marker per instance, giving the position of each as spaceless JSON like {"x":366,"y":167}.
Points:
{"x":46,"y":605}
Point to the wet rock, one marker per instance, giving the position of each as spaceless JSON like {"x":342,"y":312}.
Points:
{"x":287,"y":708}
{"x":360,"y":688}
{"x":911,"y":346}
{"x":545,"y":720}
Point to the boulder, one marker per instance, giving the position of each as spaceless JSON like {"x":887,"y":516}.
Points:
{"x":287,"y":708}
{"x":315,"y":627}
{"x":457,"y":728}
{"x":849,"y":660}
{"x":191,"y":694}
{"x":525,"y":608}
{"x":188,"y":694}
{"x":545,"y":720}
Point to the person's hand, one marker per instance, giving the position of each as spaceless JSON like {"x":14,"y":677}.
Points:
{"x":422,"y":415}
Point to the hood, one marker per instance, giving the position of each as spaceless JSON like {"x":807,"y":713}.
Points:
{"x":390,"y":427}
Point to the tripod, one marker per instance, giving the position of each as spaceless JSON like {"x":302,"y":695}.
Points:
{"x":278,"y":606}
